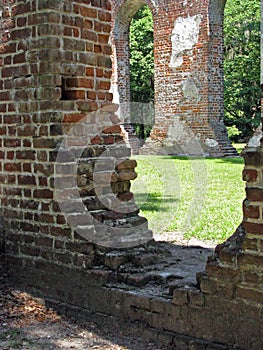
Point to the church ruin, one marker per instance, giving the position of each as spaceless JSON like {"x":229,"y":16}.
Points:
{"x":69,"y":229}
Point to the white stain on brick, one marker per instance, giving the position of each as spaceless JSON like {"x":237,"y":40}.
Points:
{"x":190,"y":90}
{"x":184,"y":36}
{"x":211,"y":143}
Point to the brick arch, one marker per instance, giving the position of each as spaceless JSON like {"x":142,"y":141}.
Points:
{"x":122,"y":14}
{"x":119,"y":5}
{"x":187,"y":93}
{"x":125,"y":12}
{"x":218,"y":5}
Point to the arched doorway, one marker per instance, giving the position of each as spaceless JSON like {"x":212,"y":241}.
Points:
{"x":123,"y":81}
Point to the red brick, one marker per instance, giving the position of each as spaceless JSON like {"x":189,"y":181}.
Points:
{"x":104,"y":85}
{"x":103,"y":38}
{"x":44,"y":193}
{"x":12,"y":143}
{"x":27,"y":155}
{"x":45,"y":143}
{"x":88,"y":12}
{"x":20,"y":58}
{"x":250,"y":244}
{"x":26,"y":180}
{"x":251,"y":211}
{"x":12,"y":167}
{"x":249,"y":294}
{"x":89,"y":35}
{"x":251,"y":227}
{"x":75,"y":94}
{"x":73,"y":117}
{"x":44,"y":241}
{"x":104,"y":16}
{"x":250,"y":175}
{"x":80,"y":82}
{"x":254,"y":194}
{"x":92,"y":95}
{"x":249,"y":259}
{"x":112,"y":130}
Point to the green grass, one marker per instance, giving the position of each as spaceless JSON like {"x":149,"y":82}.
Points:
{"x":200,"y":197}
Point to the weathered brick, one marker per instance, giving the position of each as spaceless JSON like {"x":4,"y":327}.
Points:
{"x":249,"y":294}
{"x":44,"y":193}
{"x":254,"y":194}
{"x":250,"y":175}
{"x":250,"y":244}
{"x":27,"y":154}
{"x":26,"y":180}
{"x":45,"y":143}
{"x":12,"y":167}
{"x":44,"y":241}
{"x":251,"y":227}
{"x":245,"y":260}
{"x":251,"y":211}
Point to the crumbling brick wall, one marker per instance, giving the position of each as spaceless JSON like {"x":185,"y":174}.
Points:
{"x":56,"y":70}
{"x":55,"y":77}
{"x":2,"y":248}
{"x":188,"y":58}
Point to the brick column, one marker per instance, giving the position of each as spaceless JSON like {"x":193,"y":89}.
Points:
{"x":235,"y":271}
{"x":55,"y":75}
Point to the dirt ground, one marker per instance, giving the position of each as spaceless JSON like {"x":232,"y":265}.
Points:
{"x":25,"y":323}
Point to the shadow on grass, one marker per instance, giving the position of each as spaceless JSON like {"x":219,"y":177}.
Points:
{"x":154,"y":202}
{"x":236,"y":160}
{"x":180,"y":157}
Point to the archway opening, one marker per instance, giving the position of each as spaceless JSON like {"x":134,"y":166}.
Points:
{"x":141,"y":45}
{"x":133,"y":69}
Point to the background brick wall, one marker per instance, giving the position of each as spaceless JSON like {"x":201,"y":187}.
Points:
{"x":188,"y":98}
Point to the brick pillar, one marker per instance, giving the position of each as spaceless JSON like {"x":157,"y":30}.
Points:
{"x":216,"y":76}
{"x":55,"y":75}
{"x":253,"y":204}
{"x":235,"y":271}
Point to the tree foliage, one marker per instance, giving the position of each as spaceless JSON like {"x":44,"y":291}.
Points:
{"x":141,"y":56}
{"x":242,"y":66}
{"x":142,"y":71}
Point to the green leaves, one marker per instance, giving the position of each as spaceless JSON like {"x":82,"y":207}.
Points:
{"x":242,"y":66}
{"x":141,"y":56}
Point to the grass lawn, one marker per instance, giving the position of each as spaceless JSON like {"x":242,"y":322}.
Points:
{"x":200,"y":197}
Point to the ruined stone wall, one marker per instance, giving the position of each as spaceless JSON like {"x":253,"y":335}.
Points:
{"x":55,"y":72}
{"x":2,"y":249}
{"x":55,"y":76}
{"x":188,"y":57}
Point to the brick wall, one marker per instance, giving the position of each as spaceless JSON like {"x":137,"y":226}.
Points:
{"x":2,"y":248}
{"x":188,"y":94}
{"x":55,"y":72}
{"x":58,"y":129}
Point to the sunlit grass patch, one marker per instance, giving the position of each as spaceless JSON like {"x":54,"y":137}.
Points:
{"x":200,"y":197}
